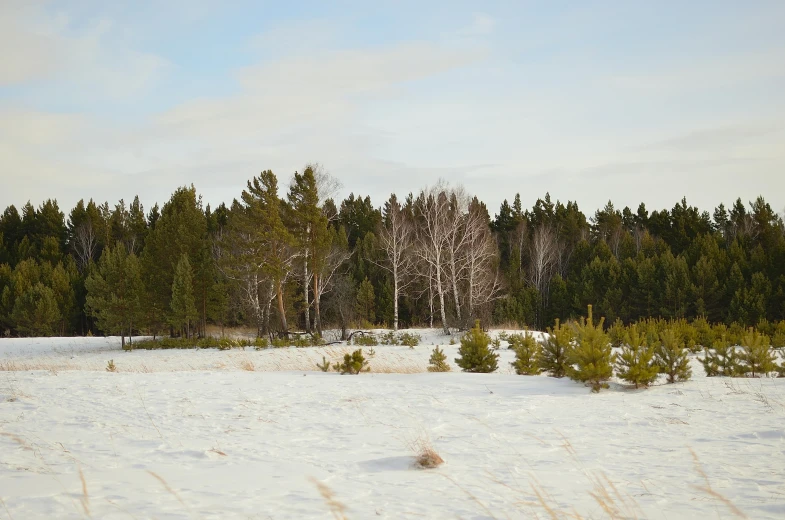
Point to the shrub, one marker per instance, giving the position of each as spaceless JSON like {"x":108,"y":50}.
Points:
{"x":527,"y":354}
{"x":635,"y":362}
{"x":672,"y":357}
{"x":757,"y":356}
{"x":722,"y":360}
{"x":556,"y":350}
{"x":324,"y":366}
{"x":409,"y":339}
{"x":365,"y":340}
{"x":110,"y":366}
{"x":388,"y":338}
{"x":475,"y":356}
{"x":592,"y":356}
{"x":438,"y":361}
{"x":353,"y":363}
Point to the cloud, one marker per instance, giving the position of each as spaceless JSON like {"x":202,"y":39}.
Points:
{"x":40,"y":46}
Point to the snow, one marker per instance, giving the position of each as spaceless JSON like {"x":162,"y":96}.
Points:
{"x":195,"y":434}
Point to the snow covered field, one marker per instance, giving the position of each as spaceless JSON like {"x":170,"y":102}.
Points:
{"x":262,"y":434}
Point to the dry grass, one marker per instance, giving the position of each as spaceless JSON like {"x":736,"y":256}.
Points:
{"x":711,"y":492}
{"x":85,"y":499}
{"x":337,"y":509}
{"x":425,"y":456}
{"x":246,"y":364}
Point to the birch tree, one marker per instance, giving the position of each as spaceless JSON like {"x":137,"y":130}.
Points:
{"x":396,"y":238}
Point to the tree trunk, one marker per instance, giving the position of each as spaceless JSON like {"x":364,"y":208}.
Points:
{"x":317,"y":319}
{"x":454,"y":282}
{"x":122,"y":339}
{"x":395,"y":299}
{"x":440,"y":290}
{"x":282,"y":310}
{"x":305,"y":294}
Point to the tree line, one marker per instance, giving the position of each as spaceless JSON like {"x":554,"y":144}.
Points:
{"x":296,"y":259}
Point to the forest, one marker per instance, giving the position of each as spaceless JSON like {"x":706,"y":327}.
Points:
{"x":292,"y":258}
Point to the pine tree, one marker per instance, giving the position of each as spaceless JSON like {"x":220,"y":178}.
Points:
{"x":35,"y":311}
{"x":635,"y":362}
{"x":757,"y":356}
{"x":721,"y":360}
{"x":438,"y":361}
{"x":366,"y":302}
{"x":592,"y":356}
{"x":556,"y":349}
{"x":182,"y":304}
{"x":527,"y":354}
{"x":353,"y":363}
{"x":475,"y":353}
{"x":672,"y":357}
{"x":114,"y":291}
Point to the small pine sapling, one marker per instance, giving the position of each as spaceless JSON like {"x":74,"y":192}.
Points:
{"x":617,"y":333}
{"x":555,"y":358}
{"x":324,"y":366}
{"x":527,"y":354}
{"x":110,"y":366}
{"x":438,"y":361}
{"x":371,"y":352}
{"x":635,"y":364}
{"x":757,"y":356}
{"x":496,"y":344}
{"x":592,"y":356}
{"x":475,"y":355}
{"x":672,"y":357}
{"x":353,"y":363}
{"x":722,"y":360}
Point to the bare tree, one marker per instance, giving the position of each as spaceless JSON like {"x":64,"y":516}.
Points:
{"x":396,"y":238}
{"x":543,"y":259}
{"x":325,"y":272}
{"x":85,"y":244}
{"x":432,"y":248}
{"x":482,"y":273}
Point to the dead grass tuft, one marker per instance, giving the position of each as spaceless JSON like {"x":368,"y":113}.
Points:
{"x":246,"y":364}
{"x":425,"y":456}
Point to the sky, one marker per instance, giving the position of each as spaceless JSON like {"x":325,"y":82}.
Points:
{"x":632,"y":101}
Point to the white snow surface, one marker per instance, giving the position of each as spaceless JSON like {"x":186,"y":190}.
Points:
{"x":256,"y":434}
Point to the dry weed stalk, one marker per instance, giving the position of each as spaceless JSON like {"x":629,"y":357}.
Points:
{"x":709,"y":491}
{"x":85,"y":500}
{"x":337,"y":509}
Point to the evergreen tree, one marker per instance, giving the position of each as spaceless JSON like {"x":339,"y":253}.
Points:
{"x":672,"y":358}
{"x":180,"y":229}
{"x":182,"y":305}
{"x":721,"y":359}
{"x":114,"y":291}
{"x":365,"y":305}
{"x":757,"y":356}
{"x":475,"y":354}
{"x":592,"y":356}
{"x":556,"y":350}
{"x":35,"y":311}
{"x":438,"y":361}
{"x":635,"y":364}
{"x":527,"y":354}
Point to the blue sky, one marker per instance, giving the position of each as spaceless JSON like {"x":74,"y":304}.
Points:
{"x":630,"y":101}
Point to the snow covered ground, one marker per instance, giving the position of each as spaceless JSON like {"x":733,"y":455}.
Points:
{"x":261,"y":434}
